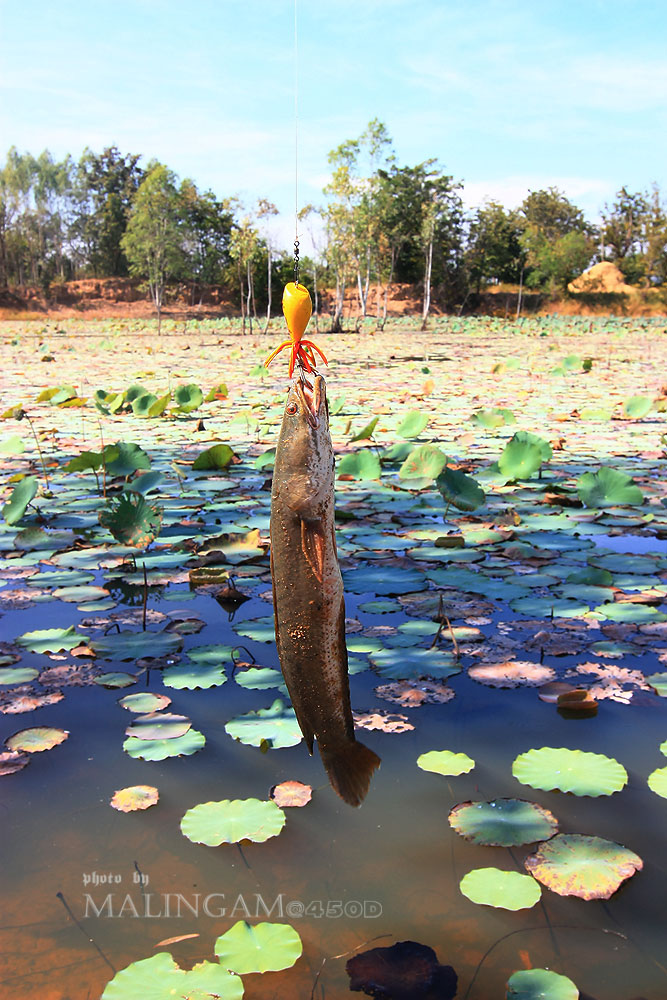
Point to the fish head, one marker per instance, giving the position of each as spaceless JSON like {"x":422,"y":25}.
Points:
{"x":304,"y":460}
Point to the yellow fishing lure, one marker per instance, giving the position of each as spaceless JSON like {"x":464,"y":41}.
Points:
{"x":297,"y":309}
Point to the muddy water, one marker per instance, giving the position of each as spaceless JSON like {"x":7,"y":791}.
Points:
{"x":388,"y":871}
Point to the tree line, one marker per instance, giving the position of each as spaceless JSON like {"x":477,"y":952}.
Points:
{"x":106,"y":215}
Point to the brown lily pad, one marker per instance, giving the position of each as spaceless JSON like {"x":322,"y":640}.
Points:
{"x":511,"y":673}
{"x":291,"y":793}
{"x":411,"y":694}
{"x":36,"y":739}
{"x":587,"y":867}
{"x":134,"y":797}
{"x":386,"y":722}
{"x":12,"y":761}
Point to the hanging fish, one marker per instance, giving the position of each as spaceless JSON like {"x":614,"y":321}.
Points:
{"x":297,"y":309}
{"x":308,"y":590}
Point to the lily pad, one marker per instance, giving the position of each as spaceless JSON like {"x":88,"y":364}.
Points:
{"x":540,"y":984}
{"x":263,"y":947}
{"x":292,"y":794}
{"x":386,"y":581}
{"x":134,"y":645}
{"x":413,"y":424}
{"x":501,"y":889}
{"x":158,"y":726}
{"x":144,"y":701}
{"x":462,"y":491}
{"x":37,"y":739}
{"x":115,"y":679}
{"x":188,"y":397}
{"x":217,"y":457}
{"x":637,"y":407}
{"x":50,"y":640}
{"x":132,"y":520}
{"x":17,"y":675}
{"x":445,"y":762}
{"x":231,"y":821}
{"x":657,"y":781}
{"x":503,"y":822}
{"x":423,"y":465}
{"x":573,"y":771}
{"x":190,"y":677}
{"x":362,"y":464}
{"x":160,"y":978}
{"x":182,"y":746}
{"x":511,"y":673}
{"x":587,"y":867}
{"x":523,"y":455}
{"x":608,"y":488}
{"x":274,"y":727}
{"x":134,"y":798}
{"x":22,"y":494}
{"x":408,"y":662}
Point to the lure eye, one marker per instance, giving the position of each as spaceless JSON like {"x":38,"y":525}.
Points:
{"x":291,"y":408}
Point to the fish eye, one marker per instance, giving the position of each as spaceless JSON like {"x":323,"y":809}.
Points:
{"x":291,"y":408}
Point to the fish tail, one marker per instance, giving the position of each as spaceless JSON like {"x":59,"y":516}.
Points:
{"x":350,"y":767}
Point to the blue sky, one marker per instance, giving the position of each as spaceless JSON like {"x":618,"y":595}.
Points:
{"x":509,"y":96}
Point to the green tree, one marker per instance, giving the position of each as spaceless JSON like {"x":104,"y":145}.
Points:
{"x":494,"y":251}
{"x":154,"y":238}
{"x":557,"y":240}
{"x":207,"y":228}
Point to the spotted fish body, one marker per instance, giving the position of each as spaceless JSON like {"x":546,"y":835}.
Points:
{"x":308,"y":591}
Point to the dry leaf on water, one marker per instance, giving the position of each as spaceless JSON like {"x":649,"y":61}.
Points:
{"x":411,"y":694}
{"x":386,"y":722}
{"x":134,"y":797}
{"x":291,"y":793}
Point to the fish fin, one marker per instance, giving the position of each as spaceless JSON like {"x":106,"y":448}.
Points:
{"x":312,"y":544}
{"x":350,"y":767}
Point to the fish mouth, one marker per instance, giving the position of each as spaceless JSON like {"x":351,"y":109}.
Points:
{"x":312,"y":399}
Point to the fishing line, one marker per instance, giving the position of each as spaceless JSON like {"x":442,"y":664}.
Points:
{"x":296,"y":144}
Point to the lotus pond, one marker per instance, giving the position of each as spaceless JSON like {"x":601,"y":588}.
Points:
{"x":502,"y":530}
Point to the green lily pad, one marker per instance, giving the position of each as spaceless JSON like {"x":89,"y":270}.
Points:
{"x":501,"y":889}
{"x":132,"y":520}
{"x":503,"y":822}
{"x":259,"y":678}
{"x":423,"y":465}
{"x":413,"y":424}
{"x":275,"y":726}
{"x":182,"y":746}
{"x":217,"y":457}
{"x":657,"y":781}
{"x":608,"y":488}
{"x":523,"y":455}
{"x":21,"y":495}
{"x":407,"y":661}
{"x":191,"y":677}
{"x":257,"y":629}
{"x":636,"y":614}
{"x":366,"y":432}
{"x":587,"y":867}
{"x":263,"y":947}
{"x":386,"y":581}
{"x":460,"y":490}
{"x":50,"y":640}
{"x":144,"y":483}
{"x":573,"y":771}
{"x":160,"y":978}
{"x":131,"y":458}
{"x":231,"y":821}
{"x":363,"y":464}
{"x":80,"y":594}
{"x":213,"y":655}
{"x":115,"y":679}
{"x":659,"y":683}
{"x":445,"y":762}
{"x":17,"y":675}
{"x":188,"y":397}
{"x":36,"y":739}
{"x":144,"y":701}
{"x":158,"y":726}
{"x":540,"y":984}
{"x":637,"y":407}
{"x":134,"y":645}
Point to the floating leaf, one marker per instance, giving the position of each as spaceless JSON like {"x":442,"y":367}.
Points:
{"x":191,"y":677}
{"x":182,"y":746}
{"x":188,"y":397}
{"x":659,"y":683}
{"x":275,"y":726}
{"x":12,"y":761}
{"x":573,"y":771}
{"x":511,"y":673}
{"x":385,"y":581}
{"x":637,"y":407}
{"x":423,"y":464}
{"x":21,"y":495}
{"x":587,"y":867}
{"x":523,"y":455}
{"x":608,"y":488}
{"x":291,"y":793}
{"x":413,"y":424}
{"x":217,"y":457}
{"x":363,"y":464}
{"x":460,"y":490}
{"x":135,"y":797}
{"x":132,"y":520}
{"x":445,"y":762}
{"x":503,"y":822}
{"x":50,"y":640}
{"x":134,"y":645}
{"x":505,"y":890}
{"x":144,"y":483}
{"x":115,"y":679}
{"x":17,"y":675}
{"x":231,"y":821}
{"x":36,"y":739}
{"x":160,"y":978}
{"x":158,"y":726}
{"x":260,"y":947}
{"x":540,"y":984}
{"x":144,"y":701}
{"x":657,"y":781}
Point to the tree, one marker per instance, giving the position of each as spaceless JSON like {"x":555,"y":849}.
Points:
{"x":207,"y":226}
{"x":246,"y":250}
{"x":106,"y":185}
{"x":265,"y":209}
{"x":153,"y":241}
{"x":557,"y":240}
{"x":494,"y":251}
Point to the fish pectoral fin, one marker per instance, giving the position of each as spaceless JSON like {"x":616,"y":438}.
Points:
{"x":312,"y":545}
